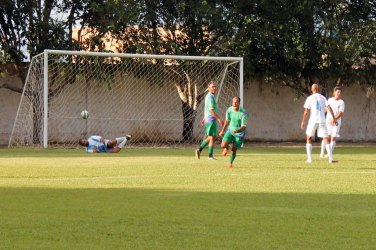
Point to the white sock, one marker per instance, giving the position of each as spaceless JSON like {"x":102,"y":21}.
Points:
{"x":120,"y":142}
{"x":322,"y":148}
{"x":329,"y":151}
{"x":333,"y":145}
{"x":309,"y":151}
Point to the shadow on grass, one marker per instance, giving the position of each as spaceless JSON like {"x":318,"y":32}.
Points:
{"x":170,"y":219}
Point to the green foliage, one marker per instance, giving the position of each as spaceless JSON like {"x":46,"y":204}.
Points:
{"x":294,"y":43}
{"x":283,"y":42}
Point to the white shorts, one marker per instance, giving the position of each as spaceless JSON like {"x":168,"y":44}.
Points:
{"x":322,"y":130}
{"x":333,"y":131}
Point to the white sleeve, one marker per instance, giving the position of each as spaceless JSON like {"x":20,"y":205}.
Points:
{"x":306,"y":104}
{"x":342,"y":107}
{"x":96,"y":138}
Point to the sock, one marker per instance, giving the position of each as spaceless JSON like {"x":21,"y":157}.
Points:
{"x":309,"y":151}
{"x":232,"y":158}
{"x":120,"y":142}
{"x":333,"y":145}
{"x":210,"y":150}
{"x":329,"y":151}
{"x":204,"y":143}
{"x":322,"y":147}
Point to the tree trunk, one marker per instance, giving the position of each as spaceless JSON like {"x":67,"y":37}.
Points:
{"x":189,"y":116}
{"x":37,"y":121}
{"x":36,"y":98}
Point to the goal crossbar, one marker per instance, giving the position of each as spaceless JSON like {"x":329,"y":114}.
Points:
{"x":145,"y":56}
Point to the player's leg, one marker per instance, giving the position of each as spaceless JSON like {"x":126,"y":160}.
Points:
{"x":121,"y":141}
{"x":323,"y":133}
{"x":110,"y":143}
{"x":333,"y":143}
{"x":310,"y":132}
{"x":211,"y":147}
{"x":115,"y":149}
{"x":335,"y":135}
{"x":227,"y":138}
{"x":322,"y":151}
{"x":330,"y":131}
{"x":232,"y":156}
{"x":212,"y":133}
{"x":224,"y":146}
{"x":114,"y":146}
{"x":328,"y":149}
{"x":237,"y":143}
{"x":205,"y":142}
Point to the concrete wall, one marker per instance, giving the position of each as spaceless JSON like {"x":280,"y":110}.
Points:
{"x":273,"y":117}
{"x":9,"y":101}
{"x":277,"y":117}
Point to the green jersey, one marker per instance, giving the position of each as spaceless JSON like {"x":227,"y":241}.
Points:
{"x":210,"y":103}
{"x":237,"y":120}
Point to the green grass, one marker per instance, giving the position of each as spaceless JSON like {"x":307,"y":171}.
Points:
{"x":166,"y":199}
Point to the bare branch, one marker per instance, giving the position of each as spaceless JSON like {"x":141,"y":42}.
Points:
{"x":15,"y":89}
{"x":196,"y":101}
{"x":189,"y":83}
{"x":181,"y":93}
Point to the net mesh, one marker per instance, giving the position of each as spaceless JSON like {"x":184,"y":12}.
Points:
{"x":160,"y":102}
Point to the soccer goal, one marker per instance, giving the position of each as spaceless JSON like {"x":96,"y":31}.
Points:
{"x":158,"y":99}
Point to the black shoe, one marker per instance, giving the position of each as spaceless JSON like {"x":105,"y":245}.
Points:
{"x":128,"y":137}
{"x":198,"y":153}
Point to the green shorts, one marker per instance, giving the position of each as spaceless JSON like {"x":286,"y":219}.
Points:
{"x":235,"y":140}
{"x":211,"y":128}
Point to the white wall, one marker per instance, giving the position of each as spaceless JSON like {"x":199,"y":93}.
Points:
{"x":277,"y":117}
{"x":9,"y":101}
{"x":273,"y":117}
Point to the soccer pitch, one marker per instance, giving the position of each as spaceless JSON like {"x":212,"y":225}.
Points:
{"x":167,"y":199}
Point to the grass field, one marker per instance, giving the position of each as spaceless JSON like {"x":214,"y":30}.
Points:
{"x":166,"y":199}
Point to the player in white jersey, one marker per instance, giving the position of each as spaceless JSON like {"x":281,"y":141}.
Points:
{"x":338,"y":107}
{"x":315,"y":105}
{"x":98,"y":144}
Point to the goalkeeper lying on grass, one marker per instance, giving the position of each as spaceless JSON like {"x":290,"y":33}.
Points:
{"x":98,"y":144}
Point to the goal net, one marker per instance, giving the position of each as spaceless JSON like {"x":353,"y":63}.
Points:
{"x":157,"y":99}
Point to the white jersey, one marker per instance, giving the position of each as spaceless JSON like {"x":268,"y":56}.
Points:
{"x":316,"y":103}
{"x":337,"y":106}
{"x":95,"y":141}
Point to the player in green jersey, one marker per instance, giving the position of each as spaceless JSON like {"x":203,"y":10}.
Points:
{"x":236,"y":121}
{"x":210,"y":121}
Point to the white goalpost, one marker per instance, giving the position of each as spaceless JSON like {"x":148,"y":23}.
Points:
{"x":158,"y":99}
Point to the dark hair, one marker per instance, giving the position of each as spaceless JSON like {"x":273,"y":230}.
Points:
{"x":237,"y":98}
{"x":211,"y":82}
{"x":81,"y":142}
{"x":337,"y":88}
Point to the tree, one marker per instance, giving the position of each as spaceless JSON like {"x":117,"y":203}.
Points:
{"x":176,"y":28}
{"x":293,"y":43}
{"x":28,"y":28}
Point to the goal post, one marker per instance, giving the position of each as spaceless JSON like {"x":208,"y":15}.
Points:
{"x":159,"y":99}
